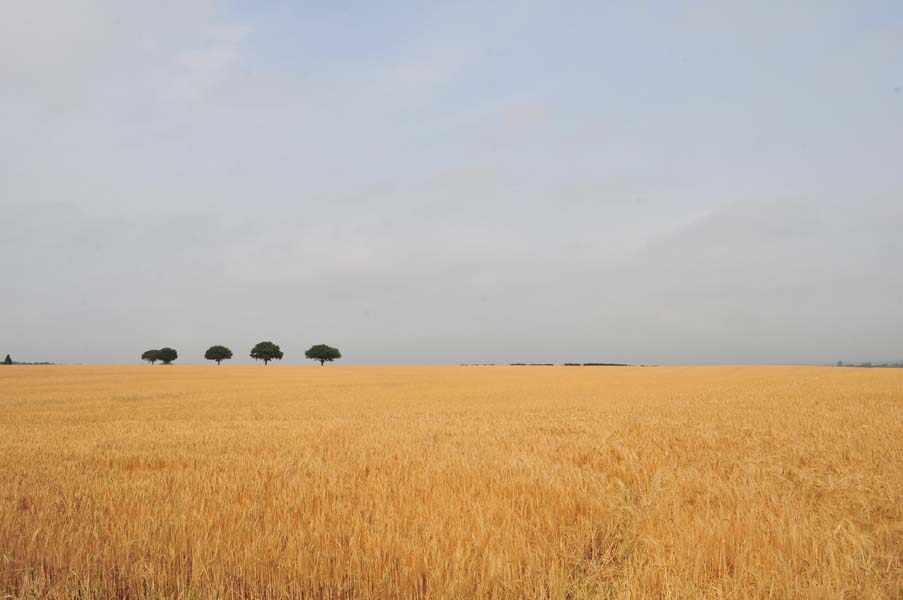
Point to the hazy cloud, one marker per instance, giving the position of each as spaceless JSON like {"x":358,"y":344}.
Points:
{"x":520,"y":181}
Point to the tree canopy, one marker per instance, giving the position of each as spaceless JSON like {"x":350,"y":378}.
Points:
{"x":151,"y":356}
{"x":218,"y":353}
{"x":167,"y":355}
{"x":7,"y":360}
{"x":266,"y":351}
{"x":323,"y":353}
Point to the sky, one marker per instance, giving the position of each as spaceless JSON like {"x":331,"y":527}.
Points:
{"x":432,"y":183}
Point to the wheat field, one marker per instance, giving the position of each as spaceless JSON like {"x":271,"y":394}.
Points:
{"x":450,"y":482}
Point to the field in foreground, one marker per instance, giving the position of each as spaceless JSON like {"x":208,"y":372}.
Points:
{"x":451,"y":482}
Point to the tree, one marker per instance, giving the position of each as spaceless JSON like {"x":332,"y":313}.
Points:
{"x":323,"y":353}
{"x":151,"y":356}
{"x":218,"y":353}
{"x":266,"y":351}
{"x":167,"y":355}
{"x":7,"y":360}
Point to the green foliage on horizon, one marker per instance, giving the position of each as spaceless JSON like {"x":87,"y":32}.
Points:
{"x":167,"y":355}
{"x":151,"y":356}
{"x":218,"y":353}
{"x":266,"y":351}
{"x":323,"y":353}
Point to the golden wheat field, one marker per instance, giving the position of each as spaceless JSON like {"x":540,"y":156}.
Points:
{"x":450,"y":482}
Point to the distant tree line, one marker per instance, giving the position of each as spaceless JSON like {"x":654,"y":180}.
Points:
{"x":569,"y":364}
{"x":869,"y":365}
{"x":164,"y":355}
{"x":265,"y":351}
{"x":9,"y":361}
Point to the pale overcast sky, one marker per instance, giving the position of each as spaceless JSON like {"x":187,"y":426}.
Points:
{"x":424,"y":182}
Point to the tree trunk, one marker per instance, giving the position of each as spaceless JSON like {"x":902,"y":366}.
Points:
{"x":266,"y":361}
{"x":321,"y":362}
{"x":217,"y":361}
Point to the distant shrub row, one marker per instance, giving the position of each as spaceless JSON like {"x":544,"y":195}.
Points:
{"x":869,"y":365}
{"x":9,"y":361}
{"x":568,"y":364}
{"x":265,"y":351}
